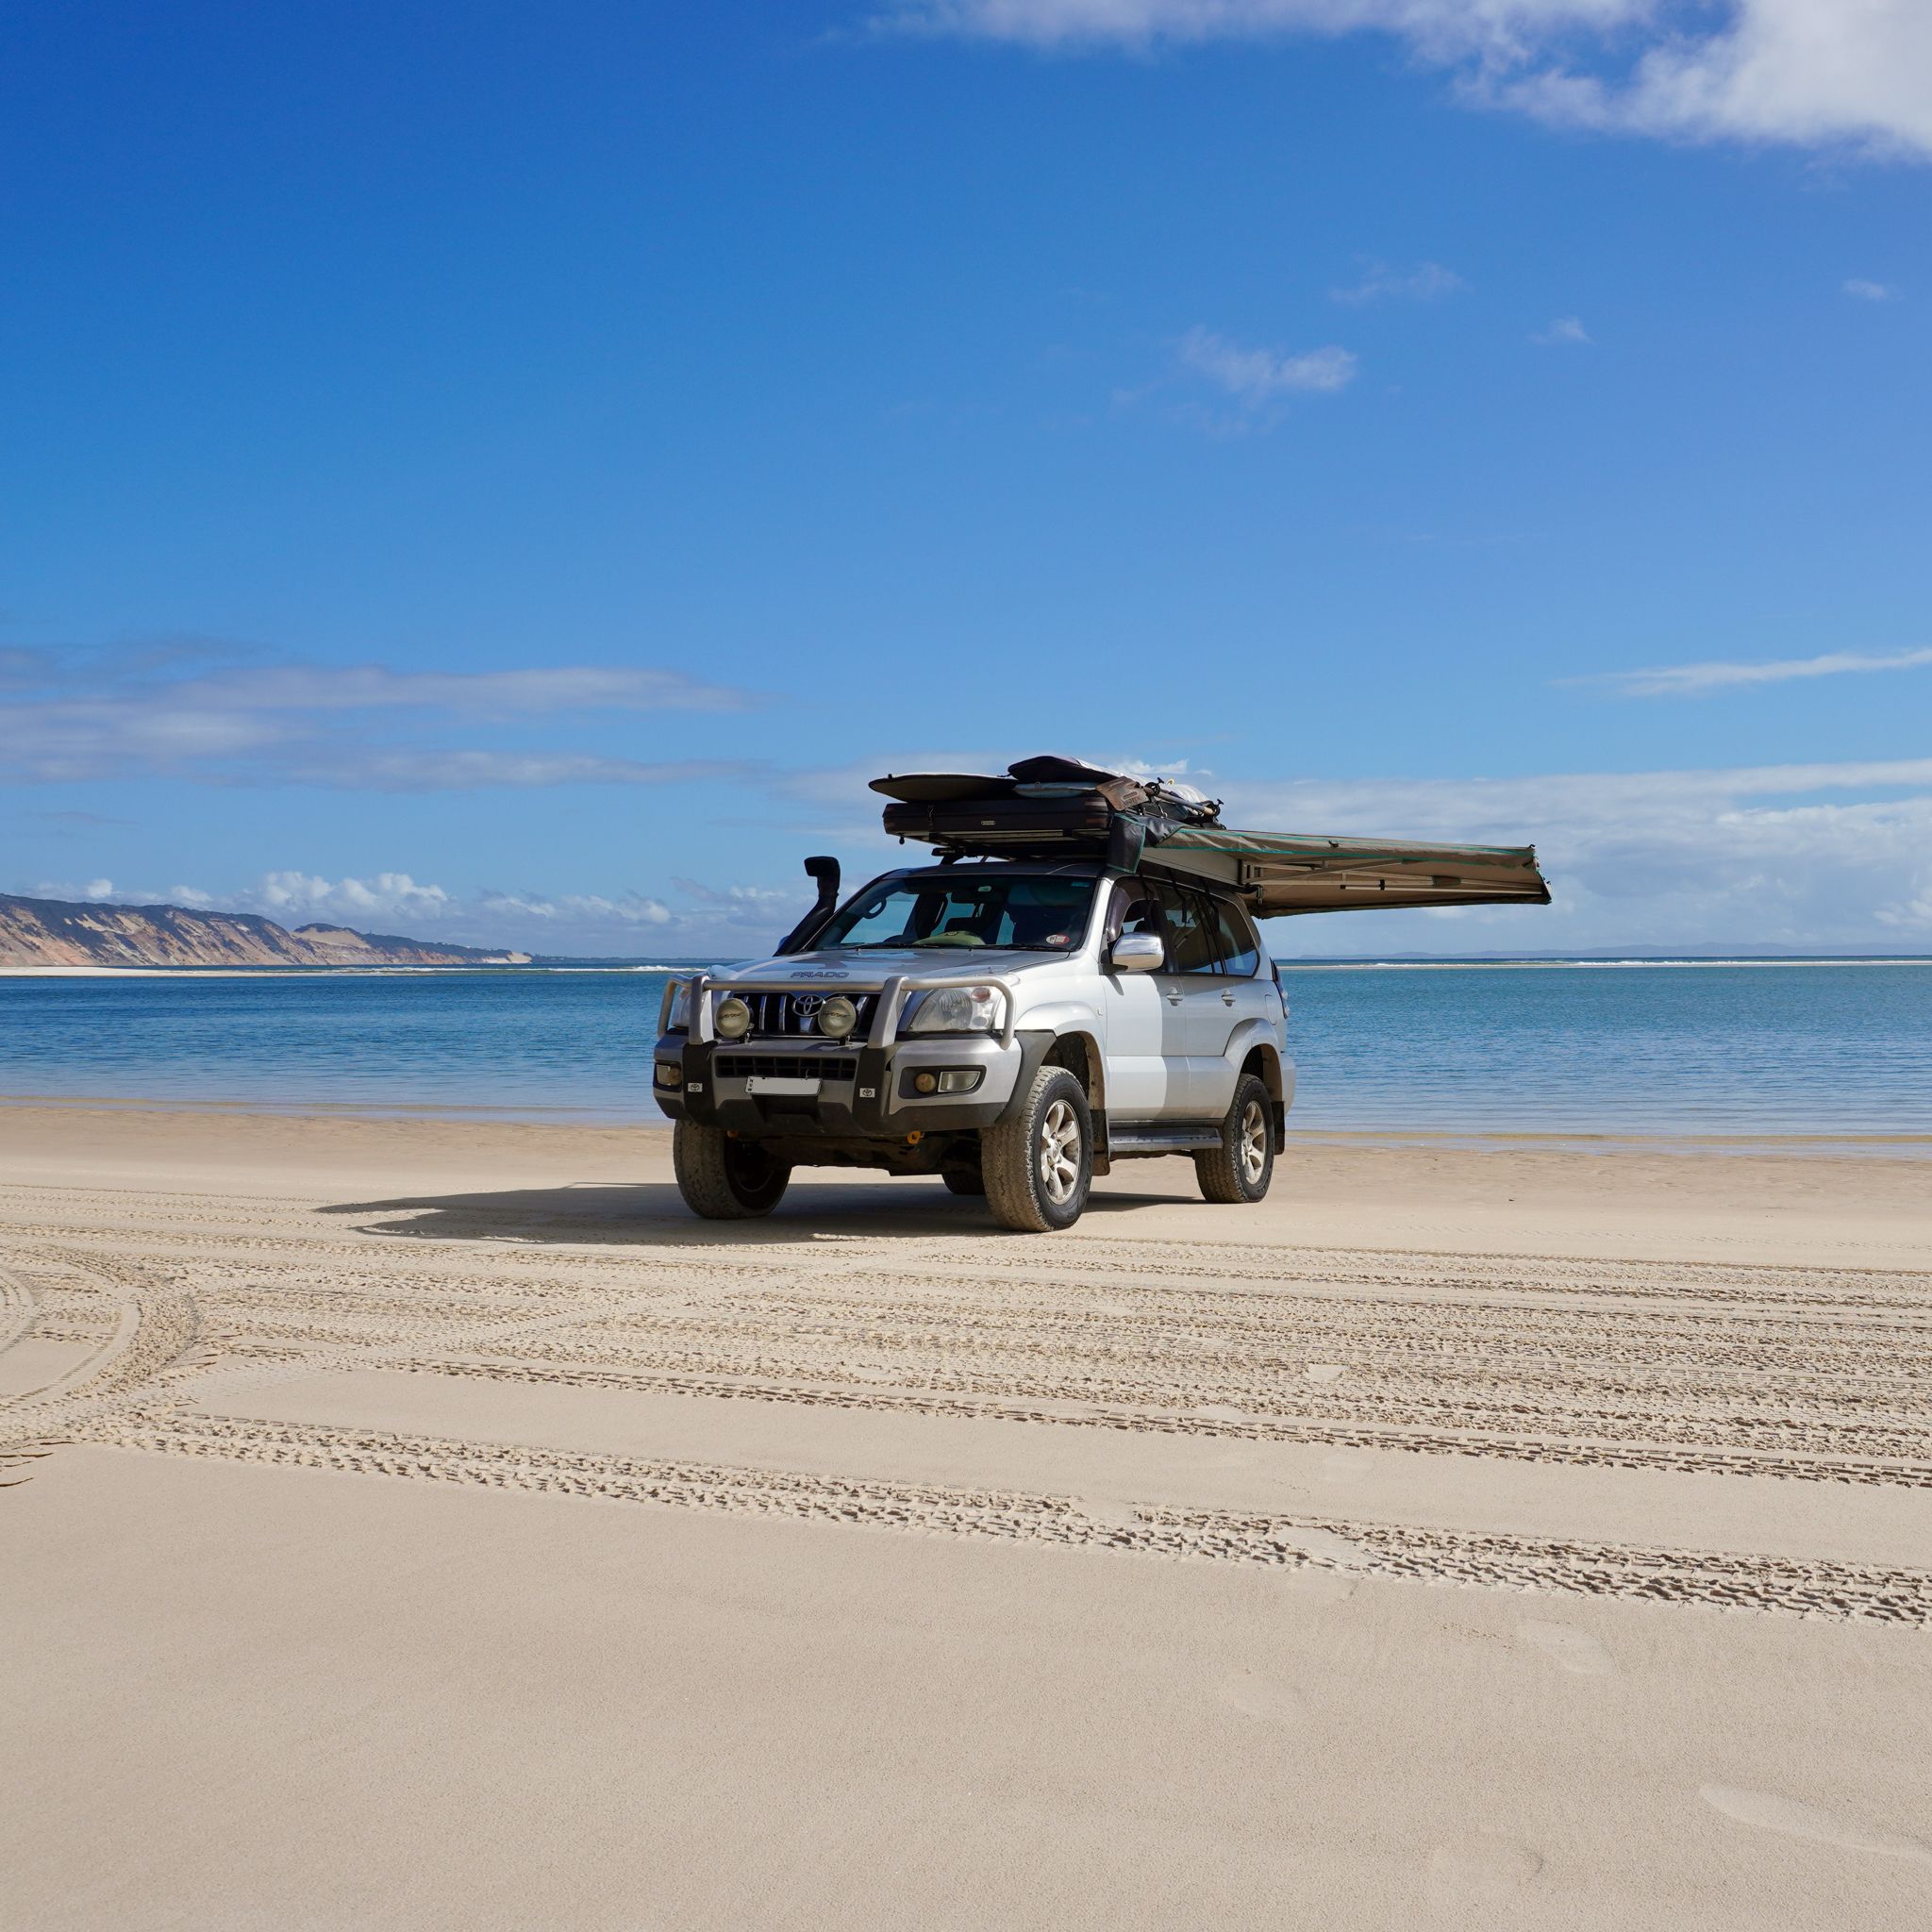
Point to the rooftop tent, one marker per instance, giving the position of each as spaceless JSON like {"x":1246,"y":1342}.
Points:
{"x":1059,"y":806}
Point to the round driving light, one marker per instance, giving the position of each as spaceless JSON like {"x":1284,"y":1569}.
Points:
{"x":926,"y":1083}
{"x":734,"y":1019}
{"x":837,"y":1017}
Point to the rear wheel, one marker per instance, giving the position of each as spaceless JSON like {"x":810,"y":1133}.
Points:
{"x":962,"y":1179}
{"x":1038,"y":1163}
{"x":724,"y":1179}
{"x":1240,"y":1168}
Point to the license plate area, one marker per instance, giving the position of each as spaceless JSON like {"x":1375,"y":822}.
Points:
{"x":782,"y":1084}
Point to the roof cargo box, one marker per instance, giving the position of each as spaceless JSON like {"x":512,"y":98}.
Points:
{"x":1004,"y":824}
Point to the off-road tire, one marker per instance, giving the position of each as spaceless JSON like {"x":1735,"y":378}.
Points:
{"x":963,"y":1180}
{"x":1237,"y":1171}
{"x":724,"y":1179}
{"x":1036,"y":1180}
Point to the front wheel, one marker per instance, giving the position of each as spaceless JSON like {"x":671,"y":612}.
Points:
{"x":1038,"y":1163}
{"x":724,"y":1179}
{"x":1240,"y":1168}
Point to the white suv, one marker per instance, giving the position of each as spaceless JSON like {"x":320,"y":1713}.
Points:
{"x":1014,"y":1026}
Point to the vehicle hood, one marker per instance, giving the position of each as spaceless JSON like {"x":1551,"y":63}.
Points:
{"x":869,"y":969}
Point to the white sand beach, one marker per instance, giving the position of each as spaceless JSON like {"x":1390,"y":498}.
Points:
{"x":426,"y":1524}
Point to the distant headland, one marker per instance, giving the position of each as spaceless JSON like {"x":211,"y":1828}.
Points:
{"x":61,"y":932}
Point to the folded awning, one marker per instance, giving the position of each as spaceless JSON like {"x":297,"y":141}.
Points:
{"x":1283,"y":871}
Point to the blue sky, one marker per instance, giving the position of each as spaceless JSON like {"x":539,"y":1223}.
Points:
{"x":514,"y":473}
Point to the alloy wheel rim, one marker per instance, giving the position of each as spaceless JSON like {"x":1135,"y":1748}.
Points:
{"x":1253,"y":1141}
{"x":1059,"y":1153}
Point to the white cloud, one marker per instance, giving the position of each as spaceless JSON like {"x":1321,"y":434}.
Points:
{"x":379,"y":769}
{"x":1810,"y":73}
{"x":630,"y":909}
{"x":1429,"y":283}
{"x":1693,"y":680}
{"x":1760,"y":855}
{"x":488,"y":693}
{"x":1259,"y":377}
{"x":1565,"y":329}
{"x":1862,"y":290}
{"x":92,"y":716}
{"x":92,"y":892}
{"x":296,"y":897}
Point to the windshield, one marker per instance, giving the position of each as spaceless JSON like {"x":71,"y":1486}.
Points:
{"x":1024,"y":912}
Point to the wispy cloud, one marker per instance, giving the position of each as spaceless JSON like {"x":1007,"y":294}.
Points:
{"x":80,"y":716}
{"x":376,"y":769}
{"x":1862,"y":290}
{"x":1566,"y":330}
{"x":1695,"y":680}
{"x":1810,"y":73}
{"x":76,"y":821}
{"x":470,"y":694}
{"x":1430,"y":282}
{"x":1771,"y":854}
{"x":629,"y":909}
{"x":1260,"y":379}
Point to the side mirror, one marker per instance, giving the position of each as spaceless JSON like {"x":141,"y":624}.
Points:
{"x":1137,"y":952}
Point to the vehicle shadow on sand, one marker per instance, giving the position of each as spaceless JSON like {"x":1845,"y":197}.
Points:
{"x":652,"y":1214}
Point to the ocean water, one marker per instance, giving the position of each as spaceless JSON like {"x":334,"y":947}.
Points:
{"x":1840,"y":1050}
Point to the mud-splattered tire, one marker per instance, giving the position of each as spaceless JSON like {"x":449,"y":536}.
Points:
{"x":1240,"y":1168}
{"x":1038,"y":1162}
{"x":724,"y":1179}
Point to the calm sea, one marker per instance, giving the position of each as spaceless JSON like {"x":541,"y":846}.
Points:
{"x":1838,"y":1050}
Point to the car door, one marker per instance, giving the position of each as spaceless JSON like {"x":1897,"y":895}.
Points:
{"x":1135,"y":1015}
{"x":1244,"y":994}
{"x":1195,"y":1029}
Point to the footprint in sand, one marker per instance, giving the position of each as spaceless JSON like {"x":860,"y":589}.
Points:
{"x":1569,"y":1648}
{"x":1485,"y":1865}
{"x":1265,"y":1699}
{"x":1770,"y":1812}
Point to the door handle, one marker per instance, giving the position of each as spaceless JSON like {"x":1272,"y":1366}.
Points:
{"x":1228,"y":999}
{"x":1174,"y":999}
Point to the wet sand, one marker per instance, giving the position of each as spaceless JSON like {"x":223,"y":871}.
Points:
{"x":426,"y":1524}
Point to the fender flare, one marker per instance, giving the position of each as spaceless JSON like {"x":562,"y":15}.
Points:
{"x":1277,"y":1071}
{"x":1063,"y":1018}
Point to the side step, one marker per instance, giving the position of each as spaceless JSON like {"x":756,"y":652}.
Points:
{"x":1141,"y":1141}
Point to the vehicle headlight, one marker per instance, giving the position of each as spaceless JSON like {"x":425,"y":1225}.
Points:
{"x":678,"y":1019}
{"x":733,"y":1018}
{"x":959,"y":1009}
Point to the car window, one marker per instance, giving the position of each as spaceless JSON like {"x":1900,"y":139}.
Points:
{"x":1032,"y":912}
{"x":1186,"y":927}
{"x":1241,"y":952}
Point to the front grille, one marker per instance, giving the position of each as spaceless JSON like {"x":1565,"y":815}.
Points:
{"x":775,"y":1015}
{"x":787,"y":1066}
